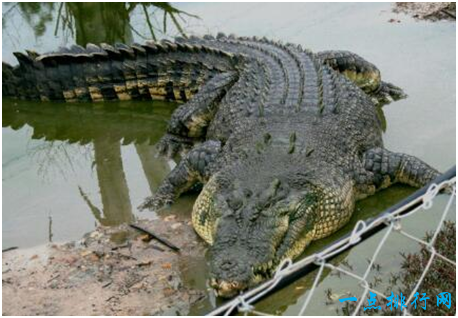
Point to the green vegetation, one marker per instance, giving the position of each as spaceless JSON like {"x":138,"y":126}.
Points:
{"x":441,"y":277}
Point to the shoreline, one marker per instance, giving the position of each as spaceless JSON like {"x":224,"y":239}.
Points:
{"x":110,"y":271}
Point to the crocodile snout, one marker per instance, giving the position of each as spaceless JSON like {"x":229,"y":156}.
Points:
{"x":226,"y":289}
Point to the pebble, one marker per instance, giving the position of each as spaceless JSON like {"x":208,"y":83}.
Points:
{"x":166,"y":266}
{"x":170,"y":218}
{"x":175,"y":226}
{"x":86,"y":253}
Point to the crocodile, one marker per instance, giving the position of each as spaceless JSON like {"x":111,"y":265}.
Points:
{"x":283,"y":140}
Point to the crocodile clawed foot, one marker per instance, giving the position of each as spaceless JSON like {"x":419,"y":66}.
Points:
{"x":449,"y":189}
{"x":155,"y":203}
{"x":171,"y":145}
{"x":396,"y":93}
{"x":388,"y":93}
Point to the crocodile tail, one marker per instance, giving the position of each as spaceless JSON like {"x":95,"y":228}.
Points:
{"x":155,"y":70}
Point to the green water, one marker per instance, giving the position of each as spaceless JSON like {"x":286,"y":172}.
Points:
{"x":67,"y":168}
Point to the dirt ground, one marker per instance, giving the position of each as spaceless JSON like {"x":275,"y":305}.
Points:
{"x":433,"y":11}
{"x":96,"y":276}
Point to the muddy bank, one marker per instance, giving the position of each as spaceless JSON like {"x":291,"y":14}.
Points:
{"x":111,"y":271}
{"x":432,"y":11}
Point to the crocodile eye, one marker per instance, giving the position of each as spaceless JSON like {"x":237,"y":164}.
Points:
{"x":247,"y":193}
{"x":235,"y":205}
{"x":234,"y":202}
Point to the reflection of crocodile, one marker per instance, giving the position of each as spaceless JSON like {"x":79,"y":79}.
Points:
{"x":84,"y":124}
{"x":290,"y":139}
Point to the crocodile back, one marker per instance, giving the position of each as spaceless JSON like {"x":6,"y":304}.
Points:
{"x":287,"y":87}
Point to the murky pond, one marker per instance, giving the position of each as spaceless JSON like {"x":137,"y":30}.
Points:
{"x":67,"y":168}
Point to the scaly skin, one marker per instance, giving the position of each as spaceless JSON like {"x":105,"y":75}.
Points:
{"x":285,"y":141}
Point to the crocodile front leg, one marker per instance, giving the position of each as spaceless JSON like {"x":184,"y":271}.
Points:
{"x":189,"y":121}
{"x":390,"y":167}
{"x":193,"y":168}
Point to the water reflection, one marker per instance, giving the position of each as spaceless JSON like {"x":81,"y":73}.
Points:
{"x":97,"y":22}
{"x":104,"y":129}
{"x":117,"y":208}
{"x":154,"y":169}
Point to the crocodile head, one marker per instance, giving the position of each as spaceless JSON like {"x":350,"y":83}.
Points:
{"x":252,"y":227}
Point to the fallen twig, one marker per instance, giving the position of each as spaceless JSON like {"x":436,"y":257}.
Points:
{"x":119,"y":247}
{"x":157,"y":248}
{"x":110,"y":298}
{"x":450,"y":14}
{"x":136,"y":281}
{"x":107,"y":284}
{"x":53,"y":278}
{"x":145,"y":263}
{"x":162,"y":240}
{"x":124,"y":255}
{"x":9,"y":249}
